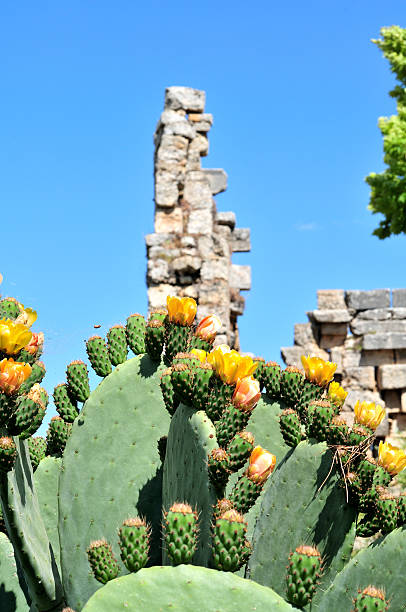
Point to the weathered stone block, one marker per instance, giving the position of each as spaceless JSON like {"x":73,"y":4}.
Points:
{"x":334,"y":329}
{"x":303,"y":334}
{"x":158,"y":271}
{"x":172,"y":148}
{"x":399,"y":298}
{"x":170,"y":116}
{"x":403,"y":400}
{"x":186,"y":264}
{"x":157,"y":295}
{"x":193,"y":161}
{"x":152,"y":240}
{"x":240,"y":276}
{"x":377,"y":327}
{"x":328,"y":342}
{"x":237,"y":303}
{"x":363,"y":377}
{"x":365,"y":300}
{"x":215,"y":269}
{"x":199,"y":144}
{"x":331,"y":316}
{"x":205,"y":246}
{"x":392,"y":376}
{"x":363,"y":395}
{"x":197,"y":192}
{"x":330,"y":299}
{"x":188,"y":242}
{"x":185,"y":98}
{"x":336,"y":356}
{"x":166,"y":192}
{"x":200,"y":222}
{"x":221,"y":244}
{"x":377,"y":358}
{"x":398,"y":313}
{"x":241,"y":240}
{"x":384,"y":341}
{"x":400,"y":356}
{"x":169,"y":221}
{"x":188,"y":291}
{"x":202,"y":122}
{"x":226,"y":218}
{"x":180,"y":128}
{"x":291,"y":355}
{"x":393,"y":400}
{"x":217,"y":178}
{"x":375,"y":314}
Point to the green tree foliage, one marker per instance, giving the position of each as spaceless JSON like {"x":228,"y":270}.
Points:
{"x":388,"y":189}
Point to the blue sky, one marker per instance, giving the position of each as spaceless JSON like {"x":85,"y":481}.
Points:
{"x":295,"y":89}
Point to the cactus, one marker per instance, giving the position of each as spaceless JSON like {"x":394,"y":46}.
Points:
{"x":134,"y":535}
{"x":180,"y":533}
{"x":304,"y":570}
{"x":12,"y":596}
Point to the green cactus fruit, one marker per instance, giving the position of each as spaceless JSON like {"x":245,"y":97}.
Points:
{"x":57,"y":436}
{"x":319,"y":416}
{"x":231,"y":422}
{"x":359,"y":434}
{"x":366,"y":469}
{"x":219,"y":467}
{"x":43,"y":394}
{"x":381,"y":477}
{"x":292,"y":380}
{"x":402,"y":509}
{"x":135,"y":332}
{"x":25,"y":412}
{"x":337,"y":431}
{"x":117,"y":344}
{"x":155,"y":339}
{"x":291,"y":428}
{"x":368,"y":525}
{"x":98,"y":354}
{"x":271,"y":374}
{"x":222,"y":506}
{"x":78,"y":380}
{"x":310,"y":391}
{"x":370,"y":599}
{"x":188,"y":359}
{"x":200,"y":343}
{"x":162,"y":443}
{"x":368,"y":499}
{"x":38,"y":372}
{"x":26,"y":357}
{"x":219,"y":399}
{"x":37,"y":447}
{"x":229,"y":547}
{"x":7,"y":454}
{"x":177,"y":339}
{"x":352,"y":484}
{"x":387,"y":510}
{"x":9,"y":308}
{"x":239,"y":449}
{"x":202,"y":375}
{"x":102,"y":561}
{"x":259,"y":372}
{"x":180,"y":533}
{"x":66,"y":405}
{"x":182,"y":381}
{"x":35,"y":423}
{"x":168,"y":393}
{"x":245,"y":493}
{"x":134,"y":536}
{"x":304,"y":570}
{"x":158,"y":314}
{"x":7,"y":406}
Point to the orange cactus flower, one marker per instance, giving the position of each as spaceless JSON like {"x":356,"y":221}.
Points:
{"x":208,"y":328}
{"x":392,"y":458}
{"x":181,"y":310}
{"x":201,"y":355}
{"x":370,"y":415}
{"x":247,"y":394}
{"x":261,"y":465}
{"x":317,"y":370}
{"x":13,"y":336}
{"x":336,"y":393}
{"x":12,"y":375}
{"x":232,"y":366}
{"x":35,"y":343}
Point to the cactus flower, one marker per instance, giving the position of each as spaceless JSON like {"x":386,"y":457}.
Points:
{"x":232,"y":366}
{"x":13,"y":336}
{"x":201,"y":355}
{"x":12,"y":375}
{"x":336,"y":394}
{"x":181,"y":310}
{"x":27,"y":317}
{"x":247,"y":394}
{"x":317,"y":370}
{"x":208,"y":328}
{"x":370,"y":415}
{"x":261,"y":465}
{"x":391,"y":458}
{"x":35,"y":344}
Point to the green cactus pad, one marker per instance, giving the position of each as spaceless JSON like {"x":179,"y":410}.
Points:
{"x":368,"y":525}
{"x":46,"y":481}
{"x":199,"y":343}
{"x":78,"y":380}
{"x":402,"y":509}
{"x":159,"y":314}
{"x":229,"y":544}
{"x":135,"y":332}
{"x":117,"y":344}
{"x":37,"y":374}
{"x":12,"y":598}
{"x":134,"y":543}
{"x":379,"y":563}
{"x":179,"y":528}
{"x":298,"y":494}
{"x":155,"y":339}
{"x":66,"y":405}
{"x":185,"y":588}
{"x":37,"y":447}
{"x":191,"y":438}
{"x":117,"y":429}
{"x":98,"y":354}
{"x":26,"y":357}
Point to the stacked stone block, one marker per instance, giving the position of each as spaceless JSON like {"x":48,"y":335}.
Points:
{"x":364,"y":332}
{"x":189,"y":254}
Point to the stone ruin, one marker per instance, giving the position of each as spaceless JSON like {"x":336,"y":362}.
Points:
{"x":364,"y":332}
{"x":189,"y":253}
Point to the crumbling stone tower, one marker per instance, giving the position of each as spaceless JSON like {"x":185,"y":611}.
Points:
{"x":189,"y":254}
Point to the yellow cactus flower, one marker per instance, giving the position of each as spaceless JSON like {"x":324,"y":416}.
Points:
{"x":336,"y":394}
{"x":213,"y":356}
{"x":208,"y":328}
{"x":12,"y":375}
{"x":317,"y":370}
{"x":27,"y":316}
{"x":370,"y":415}
{"x":247,"y":394}
{"x":181,"y":310}
{"x":13,"y":336}
{"x":232,"y":366}
{"x":392,"y":458}
{"x":261,"y":465}
{"x":201,"y":355}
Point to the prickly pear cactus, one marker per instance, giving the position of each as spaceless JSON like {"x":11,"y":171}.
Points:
{"x":12,"y":598}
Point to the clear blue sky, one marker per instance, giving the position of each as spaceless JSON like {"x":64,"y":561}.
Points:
{"x":295,"y":89}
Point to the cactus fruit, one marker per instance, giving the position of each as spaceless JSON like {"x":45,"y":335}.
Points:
{"x":337,"y":431}
{"x":117,"y":345}
{"x":26,"y":410}
{"x":180,"y":533}
{"x":103,"y":563}
{"x":202,"y":375}
{"x":304,"y":570}
{"x":231,"y":422}
{"x":359,"y":434}
{"x":245,"y":493}
{"x":36,"y":376}
{"x":7,"y":454}
{"x":365,"y":470}
{"x":219,"y":467}
{"x":9,"y":308}
{"x":37,"y":447}
{"x":291,"y":385}
{"x":229,"y":543}
{"x":271,"y":376}
{"x":158,"y":314}
{"x":98,"y":354}
{"x":155,"y":339}
{"x":134,"y":535}
{"x":239,"y":449}
{"x":259,"y":372}
{"x":401,"y":509}
{"x":135,"y":333}
{"x":219,"y":399}
{"x":368,"y":526}
{"x":222,"y":506}
{"x":290,"y":427}
{"x":182,"y":381}
{"x":176,"y":340}
{"x":310,"y":391}
{"x":78,"y":380}
{"x":57,"y":436}
{"x":387,"y":510}
{"x":168,"y":393}
{"x":319,"y":416}
{"x":66,"y":405}
{"x":370,"y":599}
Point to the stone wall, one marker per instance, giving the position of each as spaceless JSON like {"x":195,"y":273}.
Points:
{"x":189,"y":254}
{"x":364,"y":332}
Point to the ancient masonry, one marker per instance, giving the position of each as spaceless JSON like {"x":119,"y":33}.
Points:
{"x":189,"y":254}
{"x":364,"y":332}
